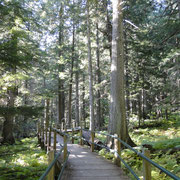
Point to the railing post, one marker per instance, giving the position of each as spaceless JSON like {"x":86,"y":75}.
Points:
{"x":81,"y":141}
{"x":146,"y":166}
{"x":117,"y":148}
{"x":50,"y":137}
{"x":50,"y":159}
{"x":74,"y":124}
{"x":65,"y":147}
{"x":65,"y":127}
{"x":54,"y":147}
{"x":46,"y":130}
{"x":72,"y":135}
{"x":92,"y":139}
{"x":43,"y":132}
{"x":62,"y":126}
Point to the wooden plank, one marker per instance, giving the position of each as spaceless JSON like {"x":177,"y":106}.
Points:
{"x":146,"y":166}
{"x":54,"y":138}
{"x":65,"y":147}
{"x":117,"y":148}
{"x":86,"y":165}
{"x":50,"y":159}
{"x":92,"y":139}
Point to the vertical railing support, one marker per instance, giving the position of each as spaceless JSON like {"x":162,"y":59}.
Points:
{"x":50,"y":159}
{"x":43,"y":132}
{"x":54,"y":147}
{"x":146,"y":166}
{"x":81,"y":140}
{"x":62,"y":126}
{"x":46,"y":131}
{"x":72,"y":135}
{"x":117,"y":148}
{"x":50,"y":137}
{"x":74,"y":124}
{"x":92,"y":139}
{"x":65,"y":147}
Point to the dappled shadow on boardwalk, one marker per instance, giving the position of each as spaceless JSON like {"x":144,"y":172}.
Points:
{"x":86,"y":165}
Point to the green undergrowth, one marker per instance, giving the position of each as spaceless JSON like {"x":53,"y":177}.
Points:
{"x":23,"y":160}
{"x":162,"y":139}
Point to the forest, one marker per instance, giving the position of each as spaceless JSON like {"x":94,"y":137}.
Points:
{"x":111,"y":66}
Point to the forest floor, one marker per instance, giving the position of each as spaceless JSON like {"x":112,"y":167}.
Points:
{"x":23,"y":160}
{"x":162,"y":137}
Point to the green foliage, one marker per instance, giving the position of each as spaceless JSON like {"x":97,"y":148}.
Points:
{"x":101,"y":137}
{"x":24,"y":160}
{"x":162,"y":137}
{"x":105,"y":154}
{"x":23,"y":110}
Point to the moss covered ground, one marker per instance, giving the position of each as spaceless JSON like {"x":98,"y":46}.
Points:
{"x":163,"y":136}
{"x":24,"y":160}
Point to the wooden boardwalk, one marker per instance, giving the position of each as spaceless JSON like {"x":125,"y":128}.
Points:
{"x":86,"y":165}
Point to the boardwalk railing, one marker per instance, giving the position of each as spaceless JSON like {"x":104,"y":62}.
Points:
{"x":147,"y":162}
{"x":43,"y":138}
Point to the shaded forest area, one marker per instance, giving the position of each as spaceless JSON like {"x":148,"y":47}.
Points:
{"x":113,"y":67}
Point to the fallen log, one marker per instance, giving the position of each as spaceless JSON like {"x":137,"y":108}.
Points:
{"x":87,"y":136}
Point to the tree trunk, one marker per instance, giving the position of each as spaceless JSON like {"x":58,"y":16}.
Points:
{"x":98,"y":72}
{"x":117,"y":123}
{"x":127,"y":80}
{"x":77,"y":94}
{"x":7,"y":133}
{"x":139,"y":107}
{"x":83,"y":112}
{"x":179,"y":7}
{"x":61,"y":103}
{"x":91,"y":94}
{"x":71,"y":80}
{"x":108,"y":27}
{"x":47,"y":113}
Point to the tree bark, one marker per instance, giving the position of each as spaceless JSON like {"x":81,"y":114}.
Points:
{"x":108,"y":27}
{"x":61,"y":103}
{"x":91,"y":94}
{"x":139,"y":99}
{"x":71,"y":80}
{"x":7,"y":133}
{"x":127,"y":80}
{"x":117,"y":109}
{"x":98,"y":72}
{"x":83,"y":112}
{"x":179,"y":7}
{"x":118,"y":122}
{"x":47,"y":113}
{"x":77,"y":94}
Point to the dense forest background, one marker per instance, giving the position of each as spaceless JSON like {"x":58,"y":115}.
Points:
{"x":56,"y":58}
{"x":108,"y":67}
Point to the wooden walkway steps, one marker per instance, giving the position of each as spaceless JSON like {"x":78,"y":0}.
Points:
{"x":86,"y":165}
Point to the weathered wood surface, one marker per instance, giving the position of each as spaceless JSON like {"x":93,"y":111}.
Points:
{"x":86,"y":165}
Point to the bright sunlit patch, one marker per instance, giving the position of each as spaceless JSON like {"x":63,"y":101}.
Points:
{"x":21,"y":162}
{"x":80,"y":156}
{"x":84,"y":152}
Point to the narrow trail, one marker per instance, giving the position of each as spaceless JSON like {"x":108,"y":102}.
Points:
{"x":86,"y":165}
